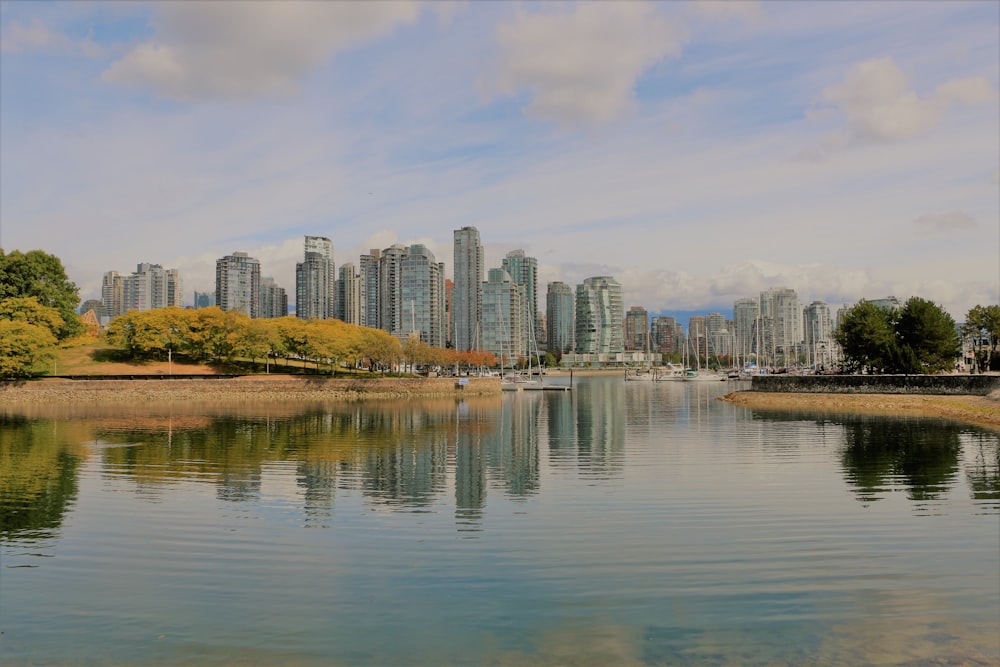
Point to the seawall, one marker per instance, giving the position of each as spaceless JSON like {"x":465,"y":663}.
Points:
{"x":241,"y":388}
{"x":954,"y":385}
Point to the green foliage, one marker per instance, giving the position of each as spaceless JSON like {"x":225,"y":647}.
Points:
{"x":40,"y":275}
{"x":982,"y":330}
{"x":919,"y":338}
{"x":927,"y":337}
{"x":22,"y":345}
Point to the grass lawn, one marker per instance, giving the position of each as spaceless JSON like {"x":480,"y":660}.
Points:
{"x":95,"y":357}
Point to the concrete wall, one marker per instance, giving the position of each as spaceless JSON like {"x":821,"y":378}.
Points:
{"x":976,"y":385}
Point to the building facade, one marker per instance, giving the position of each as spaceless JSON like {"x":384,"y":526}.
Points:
{"x":273,"y":299}
{"x":368,"y":285}
{"x":637,"y":329}
{"x":560,"y":324}
{"x":237,"y":283}
{"x":599,"y":316}
{"x":523,"y":270}
{"x":467,"y":297}
{"x":662,"y":331}
{"x":504,"y":329}
{"x":348,"y":294}
{"x":315,"y":294}
{"x":818,"y":332}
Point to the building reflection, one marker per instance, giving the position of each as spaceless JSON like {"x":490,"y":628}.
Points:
{"x":600,"y":428}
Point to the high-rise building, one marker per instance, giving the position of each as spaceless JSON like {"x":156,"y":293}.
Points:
{"x":467,"y":297}
{"x":314,"y":280}
{"x":422,"y":295}
{"x":368,"y":274}
{"x":662,"y":330}
{"x":204,"y":299}
{"x":348,"y":295}
{"x":390,"y":289}
{"x":151,"y":286}
{"x":524,"y":271}
{"x":113,"y":294}
{"x":781,"y":324}
{"x":697,"y":340}
{"x":273,"y":299}
{"x":237,"y":283}
{"x":599,"y":316}
{"x":504,"y":331}
{"x":636,"y":328}
{"x":719,"y":339}
{"x":449,"y":329}
{"x":560,"y":320}
{"x":818,"y":332}
{"x":746,"y":315}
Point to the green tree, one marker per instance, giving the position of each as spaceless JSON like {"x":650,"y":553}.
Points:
{"x":22,"y":345}
{"x":927,"y":336}
{"x":41,"y":275}
{"x":867,"y":337}
{"x":982,"y":330}
{"x":29,"y":309}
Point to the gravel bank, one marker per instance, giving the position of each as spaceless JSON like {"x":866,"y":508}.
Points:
{"x":981,"y":410}
{"x":273,"y":387}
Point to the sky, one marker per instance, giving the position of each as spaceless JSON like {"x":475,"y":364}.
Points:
{"x":699,"y":152}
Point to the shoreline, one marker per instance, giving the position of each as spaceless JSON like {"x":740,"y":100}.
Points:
{"x":979,"y":410}
{"x":250,"y":388}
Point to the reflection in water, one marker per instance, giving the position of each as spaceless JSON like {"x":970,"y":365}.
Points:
{"x":920,"y":454}
{"x":634,"y":524}
{"x":38,"y":478}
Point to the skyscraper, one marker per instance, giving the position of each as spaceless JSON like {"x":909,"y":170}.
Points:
{"x":504,"y":331}
{"x":467,"y":296}
{"x":314,"y":280}
{"x":818,"y":331}
{"x":348,"y":295}
{"x":237,"y":283}
{"x":746,"y":314}
{"x":368,"y":274}
{"x":422,"y":295}
{"x":781,"y":320}
{"x":560,"y":320}
{"x":151,"y":286}
{"x":273,"y":299}
{"x":524,"y":271}
{"x":390,"y":289}
{"x":599,"y":316}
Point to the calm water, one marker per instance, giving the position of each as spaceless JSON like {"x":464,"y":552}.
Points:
{"x":618,"y":524}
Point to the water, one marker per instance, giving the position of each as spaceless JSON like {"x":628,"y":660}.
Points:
{"x":618,"y":524}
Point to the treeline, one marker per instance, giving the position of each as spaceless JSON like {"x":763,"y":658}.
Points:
{"x":214,"y":336}
{"x":918,"y":338}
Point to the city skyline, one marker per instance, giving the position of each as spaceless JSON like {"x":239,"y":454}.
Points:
{"x":698,"y":152}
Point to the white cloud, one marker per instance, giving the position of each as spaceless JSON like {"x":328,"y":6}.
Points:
{"x":879,"y":105}
{"x":950,"y":222}
{"x":37,"y":37}
{"x":581,"y":66}
{"x":238,"y":50}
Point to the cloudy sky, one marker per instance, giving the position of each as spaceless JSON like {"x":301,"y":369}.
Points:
{"x":698,"y":152}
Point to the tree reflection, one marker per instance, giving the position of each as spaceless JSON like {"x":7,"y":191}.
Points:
{"x":882,"y":452}
{"x":38,"y":478}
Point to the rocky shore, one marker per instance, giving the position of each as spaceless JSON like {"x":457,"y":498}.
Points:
{"x":256,"y":388}
{"x":980,"y":410}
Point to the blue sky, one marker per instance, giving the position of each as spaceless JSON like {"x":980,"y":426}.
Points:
{"x":698,"y":152}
